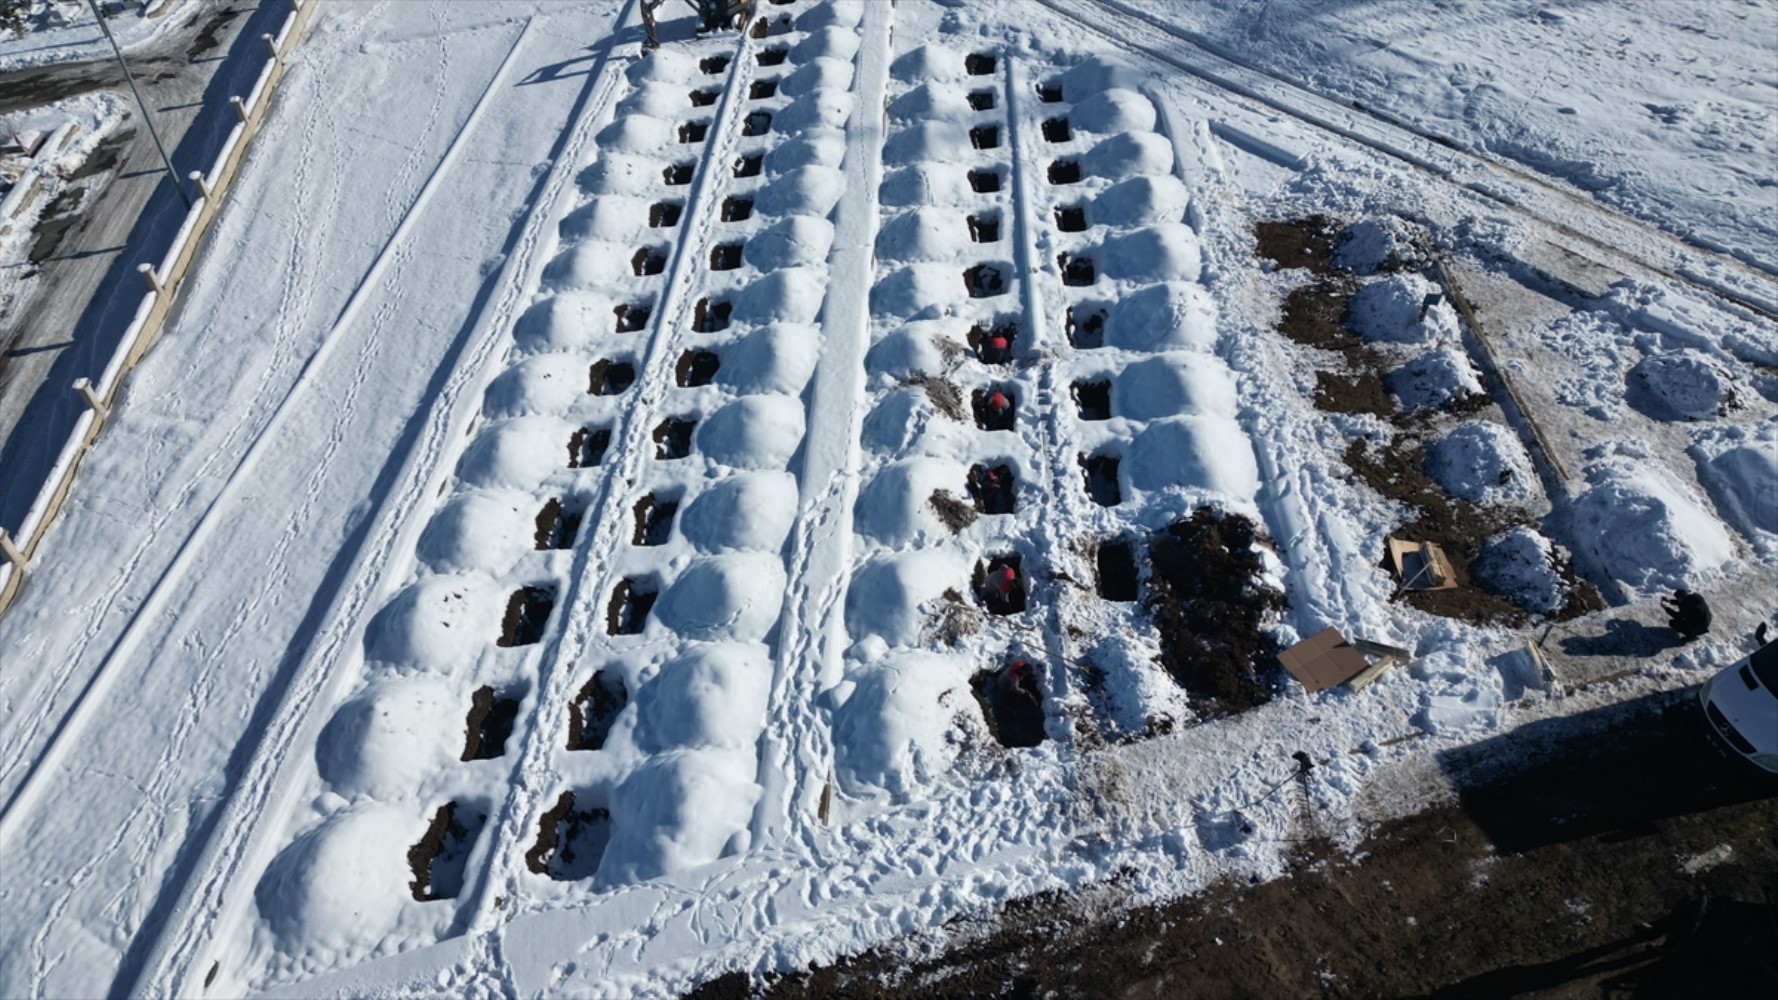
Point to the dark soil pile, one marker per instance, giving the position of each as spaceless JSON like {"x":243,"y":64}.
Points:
{"x":1209,"y":604}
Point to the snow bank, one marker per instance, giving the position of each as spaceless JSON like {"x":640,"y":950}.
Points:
{"x":635,"y":134}
{"x":925,"y":234}
{"x":774,"y":359}
{"x":1165,"y":252}
{"x":833,"y":14}
{"x":1196,"y":452}
{"x":1738,"y":466}
{"x":1114,"y":110}
{"x":339,"y":887}
{"x":549,"y":383}
{"x":919,"y":348}
{"x":712,"y":696}
{"x":895,"y":507}
{"x":1459,"y":695}
{"x":889,"y":734}
{"x":1640,"y":526}
{"x":663,"y":66}
{"x":479,"y":532}
{"x":1141,"y":201}
{"x":1437,"y":378}
{"x":887,"y":593}
{"x":823,"y":109}
{"x":565,"y":322}
{"x":1369,"y":244}
{"x":1094,"y":75}
{"x":826,"y":43}
{"x":754,"y":432}
{"x":1522,"y":565}
{"x":592,"y":265}
{"x":391,"y":738}
{"x":519,"y":454}
{"x":658,"y":100}
{"x":751,"y":511}
{"x":795,"y":241}
{"x":1173,"y":314}
{"x":916,"y":288}
{"x":1389,"y":309}
{"x":621,"y":173}
{"x":1483,"y":462}
{"x":1680,"y":385}
{"x":676,"y":811}
{"x":437,"y":625}
{"x":1172,"y":384}
{"x":788,"y":295}
{"x":815,"y":147}
{"x":1130,"y":154}
{"x":733,"y":596}
{"x":811,"y":190}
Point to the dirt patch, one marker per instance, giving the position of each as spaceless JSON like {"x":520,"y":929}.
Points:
{"x":439,"y":859}
{"x":1210,"y":606}
{"x":594,"y":709}
{"x":1306,"y":243}
{"x":943,"y":394}
{"x":489,"y":725}
{"x":527,"y":612}
{"x":952,"y":511}
{"x":1361,"y":392}
{"x":210,"y":35}
{"x":956,"y":620}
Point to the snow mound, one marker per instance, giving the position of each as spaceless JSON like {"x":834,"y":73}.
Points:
{"x":928,"y":62}
{"x":478,"y":532}
{"x":548,"y":383}
{"x":612,"y":217}
{"x":916,"y":288}
{"x":753,"y":432}
{"x":887,"y":593}
{"x":824,"y":109}
{"x":1094,"y":75}
{"x":1370,"y":244}
{"x":932,"y":102}
{"x":565,"y":322}
{"x":1113,"y":110}
{"x":1457,"y":696}
{"x":1196,"y":452}
{"x":713,"y":696}
{"x":1484,"y":463}
{"x":814,"y":147}
{"x":811,"y":190}
{"x":826,"y":43}
{"x":1174,"y":384}
{"x":1164,"y":252}
{"x":942,"y":142}
{"x":793,"y":241}
{"x":919,"y":348}
{"x":339,"y":887}
{"x":663,"y":66}
{"x":621,"y":173}
{"x":1389,"y":309}
{"x":905,"y":421}
{"x":1739,"y":468}
{"x":773,"y":359}
{"x":437,"y":624}
{"x":749,"y":512}
{"x":1639,"y":525}
{"x":1141,"y":201}
{"x":1174,"y":314}
{"x":895,"y":507}
{"x":818,"y":74}
{"x":1130,"y":154}
{"x":1522,"y":565}
{"x":833,"y":14}
{"x":518,"y":453}
{"x":889,"y":733}
{"x":733,"y":596}
{"x":1682,"y":385}
{"x":676,"y":811}
{"x":590,"y":265}
{"x":658,"y":100}
{"x":392,"y":737}
{"x":925,"y":184}
{"x":635,"y":134}
{"x":788,"y":295}
{"x":925,"y":234}
{"x":1437,"y":378}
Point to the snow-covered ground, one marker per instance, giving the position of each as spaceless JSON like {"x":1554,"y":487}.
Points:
{"x":556,"y":547}
{"x":64,"y":31}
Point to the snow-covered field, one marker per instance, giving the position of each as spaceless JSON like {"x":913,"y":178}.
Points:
{"x":602,"y":519}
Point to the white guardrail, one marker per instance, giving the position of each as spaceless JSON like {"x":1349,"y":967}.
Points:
{"x":163,"y":281}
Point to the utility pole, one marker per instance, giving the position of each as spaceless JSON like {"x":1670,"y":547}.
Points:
{"x":166,"y":161}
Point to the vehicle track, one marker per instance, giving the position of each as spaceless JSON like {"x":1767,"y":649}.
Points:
{"x":1606,"y":229}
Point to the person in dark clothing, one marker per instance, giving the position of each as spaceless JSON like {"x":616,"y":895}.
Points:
{"x":1687,"y":612}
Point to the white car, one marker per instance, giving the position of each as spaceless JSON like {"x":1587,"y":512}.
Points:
{"x":1741,"y":703}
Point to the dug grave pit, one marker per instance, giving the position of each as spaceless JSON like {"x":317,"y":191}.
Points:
{"x":527,"y":612}
{"x":570,"y":842}
{"x":557,"y":526}
{"x":489,"y":724}
{"x":1011,"y":698}
{"x":631,"y":600}
{"x":587,"y":445}
{"x":594,"y":710}
{"x":440,"y":858}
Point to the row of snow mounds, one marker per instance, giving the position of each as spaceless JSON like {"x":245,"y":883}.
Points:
{"x":677,"y":691}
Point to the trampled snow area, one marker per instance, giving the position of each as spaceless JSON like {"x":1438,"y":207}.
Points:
{"x":602,"y":518}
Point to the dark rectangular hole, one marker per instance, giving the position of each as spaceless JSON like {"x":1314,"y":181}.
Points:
{"x":672,"y":439}
{"x":748,"y":166}
{"x":1077,"y":271}
{"x":527,"y":612}
{"x":736,"y":209}
{"x":439,"y":860}
{"x":594,"y":709}
{"x":1011,"y":699}
{"x":978,"y":64}
{"x":711,"y":317}
{"x":654,"y":521}
{"x":996,"y":409}
{"x":992,"y":488}
{"x":1064,"y":172}
{"x":693,"y":131}
{"x":985,"y":228}
{"x":981,"y":100}
{"x":1101,"y":476}
{"x":713,"y":65}
{"x":632,"y":317}
{"x":586,"y":448}
{"x":608,"y":378}
{"x":697,"y":367}
{"x":557,"y":526}
{"x":985,"y":137}
{"x":984,"y":281}
{"x":1087,"y":331}
{"x":678,"y":174}
{"x":994,"y":344}
{"x":489,"y":725}
{"x":665,"y":214}
{"x":725,"y":257}
{"x":1093,"y":399}
{"x":763,"y":89}
{"x":631,"y":601}
{"x":704,"y":98}
{"x":649,"y":260}
{"x":1055,"y":130}
{"x":772,"y":57}
{"x":1050,"y":92}
{"x":1071,"y":218}
{"x":984,"y":181}
{"x":1116,"y":563}
{"x":1000,"y":584}
{"x":757,"y":123}
{"x":570,"y":842}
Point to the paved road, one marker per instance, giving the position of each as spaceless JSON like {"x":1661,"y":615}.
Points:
{"x":87,"y":289}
